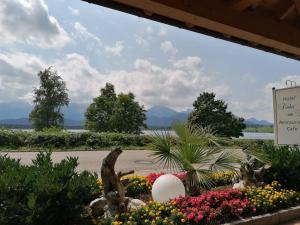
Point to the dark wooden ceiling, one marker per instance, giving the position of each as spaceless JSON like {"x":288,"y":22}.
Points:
{"x":269,"y":25}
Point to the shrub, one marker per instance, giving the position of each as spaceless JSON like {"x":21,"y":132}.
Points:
{"x":271,"y":197}
{"x":285,"y":166}
{"x":215,"y":207}
{"x":138,"y":187}
{"x":154,"y":213}
{"x":222,"y":178}
{"x":44,"y":192}
{"x":53,"y":138}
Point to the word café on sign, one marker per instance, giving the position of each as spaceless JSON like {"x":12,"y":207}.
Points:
{"x":286,"y":104}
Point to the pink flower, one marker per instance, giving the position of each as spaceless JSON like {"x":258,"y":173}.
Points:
{"x":190,"y":216}
{"x":199,"y":217}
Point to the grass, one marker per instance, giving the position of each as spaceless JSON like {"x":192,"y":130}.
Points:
{"x":265,"y":129}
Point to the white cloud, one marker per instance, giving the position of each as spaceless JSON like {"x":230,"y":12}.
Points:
{"x":116,"y":49}
{"x":29,"y":22}
{"x":18,"y":75}
{"x":152,"y":84}
{"x":282,"y":83}
{"x":259,"y":108}
{"x":262,"y":107}
{"x":74,"y":12}
{"x":189,"y":63}
{"x":149,"y":30}
{"x":141,"y":41}
{"x":167,"y":47}
{"x":162,"y":31}
{"x":82,"y":32}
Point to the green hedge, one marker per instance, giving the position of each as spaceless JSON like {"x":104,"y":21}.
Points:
{"x":64,"y":139}
{"x":45,"y":192}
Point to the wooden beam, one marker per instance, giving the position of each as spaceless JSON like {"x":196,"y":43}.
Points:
{"x":288,"y":11}
{"x":297,"y":4}
{"x":215,"y":18}
{"x":240,"y":5}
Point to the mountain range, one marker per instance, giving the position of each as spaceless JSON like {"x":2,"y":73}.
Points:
{"x":16,"y":115}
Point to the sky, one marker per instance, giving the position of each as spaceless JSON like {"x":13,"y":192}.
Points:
{"x":89,"y":45}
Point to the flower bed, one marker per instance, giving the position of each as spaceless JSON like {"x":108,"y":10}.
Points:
{"x":140,"y":186}
{"x":271,"y":197}
{"x":154,"y":213}
{"x":212,"y":207}
{"x":215,"y":207}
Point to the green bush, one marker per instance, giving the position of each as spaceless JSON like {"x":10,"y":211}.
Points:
{"x":62,"y":139}
{"x":44,"y":192}
{"x":285,"y":167}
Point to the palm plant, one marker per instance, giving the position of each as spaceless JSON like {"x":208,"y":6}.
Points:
{"x":194,"y":150}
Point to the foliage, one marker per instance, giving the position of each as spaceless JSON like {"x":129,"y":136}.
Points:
{"x":48,"y":100}
{"x":216,"y":178}
{"x":54,"y":139}
{"x":209,"y":112}
{"x":222,"y":178}
{"x":111,"y":113}
{"x":195,"y":151}
{"x":153,"y":213}
{"x":271,"y":197}
{"x":285,"y":167}
{"x":44,"y":192}
{"x":139,"y":187}
{"x":128,"y":115}
{"x":215,"y":207}
{"x":99,"y":113}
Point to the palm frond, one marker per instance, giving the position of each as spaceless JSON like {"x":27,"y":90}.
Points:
{"x":204,"y":177}
{"x":257,"y":154}
{"x":161,"y":149}
{"x":226,"y":160}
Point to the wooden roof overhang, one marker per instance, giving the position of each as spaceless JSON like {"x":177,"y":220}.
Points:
{"x":269,"y":25}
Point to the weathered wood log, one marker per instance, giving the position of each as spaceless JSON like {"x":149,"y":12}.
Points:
{"x":114,"y":190}
{"x":251,"y":173}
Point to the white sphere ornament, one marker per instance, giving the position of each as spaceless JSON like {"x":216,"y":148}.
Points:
{"x":167,"y":187}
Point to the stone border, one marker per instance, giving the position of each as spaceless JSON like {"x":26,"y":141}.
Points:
{"x":271,"y":218}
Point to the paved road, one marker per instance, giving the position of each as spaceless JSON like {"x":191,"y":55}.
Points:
{"x":138,"y":160}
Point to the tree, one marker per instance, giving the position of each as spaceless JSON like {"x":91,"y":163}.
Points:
{"x":209,"y":112}
{"x":128,"y":115}
{"x":48,"y":100}
{"x":194,"y":150}
{"x":99,"y":114}
{"x":111,"y":113}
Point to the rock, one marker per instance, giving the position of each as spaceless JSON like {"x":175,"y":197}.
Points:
{"x":135,"y":204}
{"x":98,"y":206}
{"x":239,"y":185}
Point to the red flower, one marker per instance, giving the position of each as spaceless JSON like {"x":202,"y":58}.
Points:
{"x":190,"y":216}
{"x":215,"y":206}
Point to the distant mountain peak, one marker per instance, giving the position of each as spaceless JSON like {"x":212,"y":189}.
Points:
{"x":161,"y":111}
{"x":253,"y":121}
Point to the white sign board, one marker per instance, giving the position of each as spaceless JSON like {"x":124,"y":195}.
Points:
{"x":286,"y":103}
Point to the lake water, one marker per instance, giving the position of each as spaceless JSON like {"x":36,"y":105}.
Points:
{"x":247,"y":135}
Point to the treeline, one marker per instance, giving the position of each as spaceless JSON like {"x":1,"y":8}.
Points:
{"x":121,"y":113}
{"x":108,"y":112}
